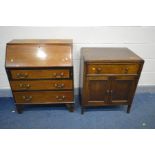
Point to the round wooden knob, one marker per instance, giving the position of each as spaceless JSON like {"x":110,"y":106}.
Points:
{"x":93,"y":68}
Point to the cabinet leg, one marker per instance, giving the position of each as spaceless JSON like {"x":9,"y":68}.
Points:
{"x":82,"y":110}
{"x":70,"y":107}
{"x":128,"y":108}
{"x":19,"y":108}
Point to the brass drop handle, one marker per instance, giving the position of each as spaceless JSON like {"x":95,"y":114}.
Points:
{"x":22,"y":75}
{"x":58,"y":75}
{"x":60,"y":98}
{"x":58,"y":85}
{"x":126,"y":70}
{"x":25,"y":86}
{"x":27,"y":98}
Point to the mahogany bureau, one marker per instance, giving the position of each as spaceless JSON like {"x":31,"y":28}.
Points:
{"x":109,"y":76}
{"x":40,"y":72}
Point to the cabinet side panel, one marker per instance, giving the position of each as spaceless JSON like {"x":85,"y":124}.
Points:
{"x":82,"y":80}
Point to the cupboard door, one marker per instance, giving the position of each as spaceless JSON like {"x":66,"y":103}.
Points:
{"x":122,"y":89}
{"x":97,"y":90}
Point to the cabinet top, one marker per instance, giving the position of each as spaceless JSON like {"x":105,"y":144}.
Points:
{"x":39,"y":53}
{"x":40,"y":41}
{"x":109,"y":54}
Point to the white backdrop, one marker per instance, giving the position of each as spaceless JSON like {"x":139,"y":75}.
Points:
{"x":139,"y":39}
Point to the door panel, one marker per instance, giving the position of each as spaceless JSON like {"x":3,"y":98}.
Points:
{"x":97,"y":90}
{"x":121,"y":90}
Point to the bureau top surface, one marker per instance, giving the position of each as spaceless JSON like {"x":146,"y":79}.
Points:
{"x":39,"y":53}
{"x":39,"y":41}
{"x":109,"y":54}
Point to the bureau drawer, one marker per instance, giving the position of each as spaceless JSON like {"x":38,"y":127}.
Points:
{"x":41,"y":85}
{"x":43,"y":97}
{"x":112,"y":68}
{"x":40,"y":74}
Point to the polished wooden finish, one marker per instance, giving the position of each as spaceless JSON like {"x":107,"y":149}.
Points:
{"x":94,"y":87}
{"x":41,"y":41}
{"x":110,"y":55}
{"x":41,"y":84}
{"x":46,"y":97}
{"x":38,"y":55}
{"x":109,"y":76}
{"x":112,"y":68}
{"x":40,"y":72}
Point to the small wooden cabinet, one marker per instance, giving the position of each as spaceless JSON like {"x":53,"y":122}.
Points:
{"x":40,"y":72}
{"x":108,"y":76}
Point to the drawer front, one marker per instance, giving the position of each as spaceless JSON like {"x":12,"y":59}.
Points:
{"x":112,"y":68}
{"x":40,"y":74}
{"x":43,"y":97}
{"x":41,"y":85}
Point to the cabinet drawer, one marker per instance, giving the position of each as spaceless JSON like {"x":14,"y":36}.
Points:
{"x":40,"y":74}
{"x":43,"y":97}
{"x":41,"y":85}
{"x":112,"y":68}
